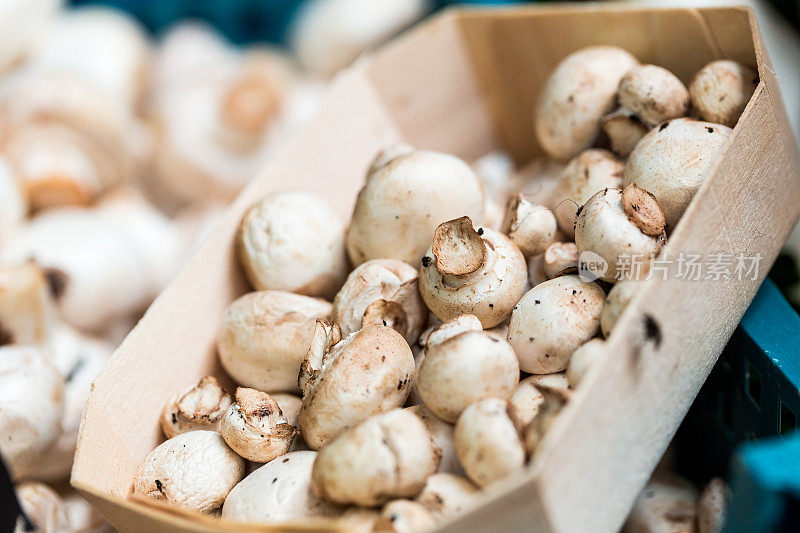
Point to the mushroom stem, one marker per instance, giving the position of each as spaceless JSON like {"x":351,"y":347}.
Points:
{"x":386,"y":313}
{"x":459,"y":249}
{"x":643,"y":210}
{"x":326,"y":335}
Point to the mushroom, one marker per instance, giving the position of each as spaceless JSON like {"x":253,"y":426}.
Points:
{"x":673,"y":160}
{"x":31,"y":406}
{"x":345,"y":381}
{"x":255,"y":428}
{"x":667,"y":503}
{"x":711,"y":507}
{"x":447,"y":495}
{"x":557,"y":380}
{"x":480,"y":272}
{"x":42,"y":506}
{"x":559,"y":259}
{"x":620,"y":295}
{"x":400,"y":205}
{"x":404,"y":516}
{"x":720,"y":91}
{"x":463,"y":369}
{"x":442,"y":434}
{"x":202,"y":406}
{"x":359,"y":519}
{"x":278,"y":491}
{"x":13,"y":203}
{"x":488,"y":443}
{"x":389,"y":455}
{"x":290,"y":407}
{"x":26,"y":311}
{"x":81,"y":515}
{"x":524,"y":404}
{"x":582,"y":89}
{"x":495,"y":172}
{"x":623,"y":230}
{"x":386,"y":155}
{"x":648,"y":95}
{"x":588,"y":172}
{"x":583,"y":359}
{"x":532,"y":227}
{"x":293,"y":241}
{"x":554,"y":400}
{"x":381,"y":291}
{"x":451,"y":328}
{"x":328,"y":35}
{"x":265,"y":336}
{"x":194,"y":471}
{"x":552,"y":320}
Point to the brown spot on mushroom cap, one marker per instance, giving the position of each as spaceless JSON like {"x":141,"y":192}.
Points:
{"x":643,"y":210}
{"x":57,"y":280}
{"x":458,"y":248}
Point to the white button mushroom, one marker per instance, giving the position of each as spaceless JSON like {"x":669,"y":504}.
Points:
{"x":673,"y":160}
{"x":26,"y":312}
{"x":290,"y":407}
{"x":552,"y":320}
{"x":624,"y":130}
{"x":560,"y":258}
{"x":588,"y":172}
{"x":387,"y":456}
{"x":711,"y":507}
{"x":194,"y":471}
{"x":583,"y":359}
{"x":293,"y":241}
{"x":255,"y":428}
{"x":466,"y":368}
{"x":381,"y":291}
{"x":720,"y":91}
{"x":442,"y":434}
{"x":386,"y":155}
{"x":346,"y":381}
{"x":623,"y":227}
{"x":278,"y":491}
{"x":620,"y":295}
{"x":554,"y":401}
{"x":31,"y":406}
{"x":43,"y":507}
{"x":666,"y":504}
{"x":451,"y":328}
{"x":649,"y":95}
{"x":478,"y":272}
{"x":557,"y":380}
{"x":532,"y":227}
{"x":447,"y":495}
{"x":582,"y":89}
{"x":265,"y":336}
{"x":200,"y":407}
{"x":524,"y":404}
{"x":488,"y":443}
{"x":401,"y":205}
{"x":404,"y":516}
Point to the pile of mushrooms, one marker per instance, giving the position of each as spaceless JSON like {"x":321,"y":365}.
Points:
{"x":393,"y":395}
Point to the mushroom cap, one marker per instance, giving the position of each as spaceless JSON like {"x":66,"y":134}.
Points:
{"x":265,"y":336}
{"x":653,"y":93}
{"x":582,"y":360}
{"x":620,"y":295}
{"x":404,"y":516}
{"x":442,"y":434}
{"x":194,"y":471}
{"x":381,"y":291}
{"x":42,"y":506}
{"x":667,"y":503}
{"x":494,"y":277}
{"x":582,"y":89}
{"x":367,"y":373}
{"x":401,"y":205}
{"x":552,"y":320}
{"x":255,"y":428}
{"x":293,"y":241}
{"x":201,"y":406}
{"x":278,"y":491}
{"x":387,"y":154}
{"x":559,"y":259}
{"x":554,"y":401}
{"x":673,"y":160}
{"x":711,"y":507}
{"x":557,"y":380}
{"x":26,"y":312}
{"x":720,"y":91}
{"x":447,"y":495}
{"x":464,"y":369}
{"x":31,"y":406}
{"x":532,"y":227}
{"x":624,"y":130}
{"x":389,"y":455}
{"x":590,"y":171}
{"x":487,"y":442}
{"x":451,"y":328}
{"x":524,"y":404}
{"x":606,"y":228}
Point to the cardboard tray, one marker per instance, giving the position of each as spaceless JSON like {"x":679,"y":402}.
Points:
{"x":466,"y":83}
